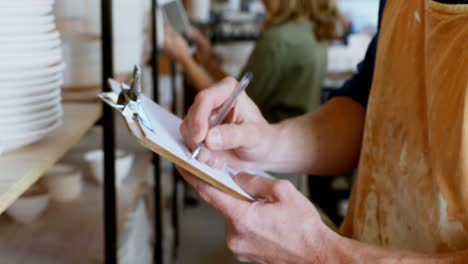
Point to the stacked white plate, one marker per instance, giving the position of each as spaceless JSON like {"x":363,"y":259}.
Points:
{"x":31,"y":67}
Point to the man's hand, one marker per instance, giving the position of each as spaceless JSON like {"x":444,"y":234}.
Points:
{"x":175,"y":45}
{"x":282,"y":227}
{"x":243,"y":141}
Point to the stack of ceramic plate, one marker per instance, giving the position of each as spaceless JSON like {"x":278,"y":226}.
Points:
{"x":31,"y":69}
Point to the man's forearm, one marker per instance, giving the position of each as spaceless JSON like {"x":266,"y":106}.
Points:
{"x":324,"y":142}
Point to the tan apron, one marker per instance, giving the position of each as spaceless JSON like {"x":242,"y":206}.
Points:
{"x":412,"y":187}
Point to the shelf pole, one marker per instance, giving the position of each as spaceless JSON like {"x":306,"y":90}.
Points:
{"x":175,"y":173}
{"x":110,"y":208}
{"x":158,"y":236}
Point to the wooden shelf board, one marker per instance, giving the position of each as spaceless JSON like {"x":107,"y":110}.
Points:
{"x":21,"y":168}
{"x":71,"y":232}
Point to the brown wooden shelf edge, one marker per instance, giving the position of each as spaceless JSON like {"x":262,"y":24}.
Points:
{"x":67,"y":226}
{"x":23,"y":167}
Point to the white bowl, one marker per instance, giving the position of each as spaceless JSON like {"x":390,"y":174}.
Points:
{"x":128,"y":33}
{"x":82,"y":54}
{"x":29,"y":207}
{"x":95,"y":160}
{"x":63,"y":182}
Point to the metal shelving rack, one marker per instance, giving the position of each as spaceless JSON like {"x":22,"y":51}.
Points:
{"x":158,"y":235}
{"x":108,"y":123}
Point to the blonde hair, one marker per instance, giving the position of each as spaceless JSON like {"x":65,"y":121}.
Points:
{"x":324,"y":13}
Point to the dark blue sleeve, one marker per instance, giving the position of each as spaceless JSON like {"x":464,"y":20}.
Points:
{"x":358,"y":87}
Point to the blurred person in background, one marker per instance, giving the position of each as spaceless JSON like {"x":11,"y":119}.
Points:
{"x":289,"y":61}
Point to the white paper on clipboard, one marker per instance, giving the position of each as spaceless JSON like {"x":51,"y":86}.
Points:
{"x":167,"y":141}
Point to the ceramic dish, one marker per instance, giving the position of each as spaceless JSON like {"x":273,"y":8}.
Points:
{"x":31,"y":73}
{"x":27,"y":2}
{"x":26,"y":20}
{"x":124,"y":161}
{"x":28,"y":117}
{"x":10,"y":144}
{"x":63,"y":182}
{"x":29,"y":47}
{"x":30,"y":206}
{"x":13,"y":91}
{"x":25,"y":10}
{"x":33,"y":98}
{"x":82,"y":54}
{"x":34,"y":55}
{"x":21,"y":86}
{"x":34,"y":94}
{"x":30,"y":38}
{"x":30,"y":108}
{"x":36,"y":125}
{"x":17,"y":117}
{"x":30,"y":60}
{"x":27,"y":29}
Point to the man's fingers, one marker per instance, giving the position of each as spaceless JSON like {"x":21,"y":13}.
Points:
{"x":226,"y":204}
{"x":232,"y":136}
{"x":187,"y":135}
{"x":264,"y":188}
{"x":205,"y":104}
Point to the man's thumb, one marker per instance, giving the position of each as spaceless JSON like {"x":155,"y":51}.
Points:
{"x":231,"y":136}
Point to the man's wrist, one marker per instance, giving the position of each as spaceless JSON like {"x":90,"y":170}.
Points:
{"x":270,"y":139}
{"x":329,"y":247}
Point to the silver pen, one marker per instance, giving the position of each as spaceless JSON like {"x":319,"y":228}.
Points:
{"x":226,"y":108}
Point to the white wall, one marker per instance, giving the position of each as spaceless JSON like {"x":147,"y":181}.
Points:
{"x":363,"y":12}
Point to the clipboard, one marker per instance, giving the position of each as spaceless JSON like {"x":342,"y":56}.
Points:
{"x":158,"y":130}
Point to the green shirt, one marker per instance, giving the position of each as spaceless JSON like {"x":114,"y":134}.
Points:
{"x":289,"y":65}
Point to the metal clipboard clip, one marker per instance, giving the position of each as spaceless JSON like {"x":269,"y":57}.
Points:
{"x":127,"y":99}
